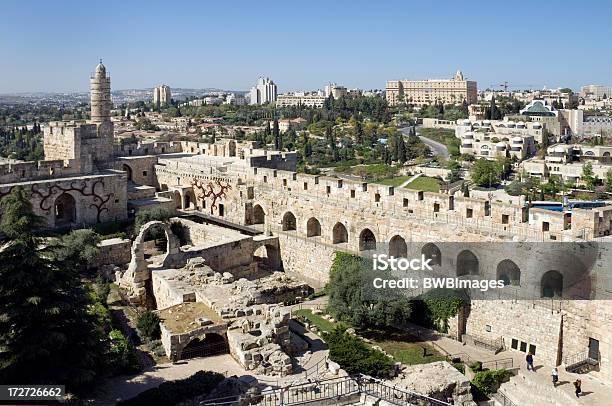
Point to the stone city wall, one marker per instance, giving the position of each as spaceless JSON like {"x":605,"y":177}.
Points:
{"x":147,"y":148}
{"x":38,"y":170}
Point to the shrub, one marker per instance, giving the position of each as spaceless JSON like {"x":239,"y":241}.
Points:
{"x":487,"y":382}
{"x":460,"y":367}
{"x":174,"y":392}
{"x":111,"y":228}
{"x":355,"y":356}
{"x":435,"y":307}
{"x":349,"y":275}
{"x":122,"y":359}
{"x":148,"y":325}
{"x":476,"y":366}
{"x":154,"y":214}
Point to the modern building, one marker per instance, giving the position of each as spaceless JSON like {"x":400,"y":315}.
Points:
{"x":498,"y":139}
{"x":335,"y":90}
{"x":162,"y":95}
{"x":235,"y":99}
{"x":306,"y":99}
{"x":264,"y":92}
{"x":597,"y":92}
{"x":566,"y":161}
{"x":430,"y":91}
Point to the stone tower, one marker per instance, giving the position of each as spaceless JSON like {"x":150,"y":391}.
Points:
{"x":101,"y":103}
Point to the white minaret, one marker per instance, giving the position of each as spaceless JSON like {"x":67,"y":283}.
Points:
{"x":101,"y":103}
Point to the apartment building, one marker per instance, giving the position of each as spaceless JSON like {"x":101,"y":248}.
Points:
{"x":566,"y":161}
{"x":305,"y":99}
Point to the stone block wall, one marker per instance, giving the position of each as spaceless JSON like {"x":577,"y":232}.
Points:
{"x":88,"y":199}
{"x":114,"y":251}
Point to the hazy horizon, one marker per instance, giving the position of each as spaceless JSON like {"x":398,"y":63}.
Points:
{"x":54,"y":47}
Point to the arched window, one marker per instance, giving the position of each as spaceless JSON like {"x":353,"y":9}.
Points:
{"x":313,"y":227}
{"x":398,"y":247}
{"x":367,"y":240}
{"x":339,"y":234}
{"x":552,"y":284}
{"x":467,"y":263}
{"x":289,"y":222}
{"x":431,"y":251}
{"x":509,"y":272}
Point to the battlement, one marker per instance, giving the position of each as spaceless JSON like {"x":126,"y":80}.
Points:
{"x":507,"y":218}
{"x":148,"y":148}
{"x":37,"y":170}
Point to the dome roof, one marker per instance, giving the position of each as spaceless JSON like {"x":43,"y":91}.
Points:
{"x":101,"y":69}
{"x":517,"y":139}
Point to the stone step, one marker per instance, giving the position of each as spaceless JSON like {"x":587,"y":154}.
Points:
{"x":527,"y":388}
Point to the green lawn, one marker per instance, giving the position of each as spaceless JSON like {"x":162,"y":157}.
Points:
{"x":315,"y":319}
{"x":425,"y":183}
{"x":404,"y":347}
{"x":394,"y":181}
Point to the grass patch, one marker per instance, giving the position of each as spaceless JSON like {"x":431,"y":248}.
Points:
{"x":318,"y":321}
{"x":425,"y":183}
{"x":394,"y":181}
{"x":369,"y":172}
{"x":443,"y":136}
{"x":404,"y":347}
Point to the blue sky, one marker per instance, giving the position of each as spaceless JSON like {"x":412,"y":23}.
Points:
{"x":54,"y":45}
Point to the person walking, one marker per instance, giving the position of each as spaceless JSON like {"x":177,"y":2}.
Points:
{"x":555,"y":376}
{"x":529,"y":359}
{"x":578,"y":386}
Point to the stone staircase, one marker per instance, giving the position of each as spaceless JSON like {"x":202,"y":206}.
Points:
{"x":529,"y":388}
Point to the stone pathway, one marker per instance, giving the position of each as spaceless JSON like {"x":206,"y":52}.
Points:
{"x":403,"y":185}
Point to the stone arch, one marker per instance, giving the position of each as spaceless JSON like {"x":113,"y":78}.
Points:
{"x":259,"y":216}
{"x":509,"y":272}
{"x":339,"y":234}
{"x":64,"y":210}
{"x":138,"y":274}
{"x":189,"y":199}
{"x":289,"y":222}
{"x":431,"y":251}
{"x":606,"y":157}
{"x":313,"y":227}
{"x":551,"y":284}
{"x":367,"y":240}
{"x":398,"y":247}
{"x":128,"y":170}
{"x":467,"y":263}
{"x":267,"y":256}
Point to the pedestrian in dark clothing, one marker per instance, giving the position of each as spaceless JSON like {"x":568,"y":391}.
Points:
{"x":529,"y":359}
{"x":555,"y":376}
{"x":578,"y":386}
